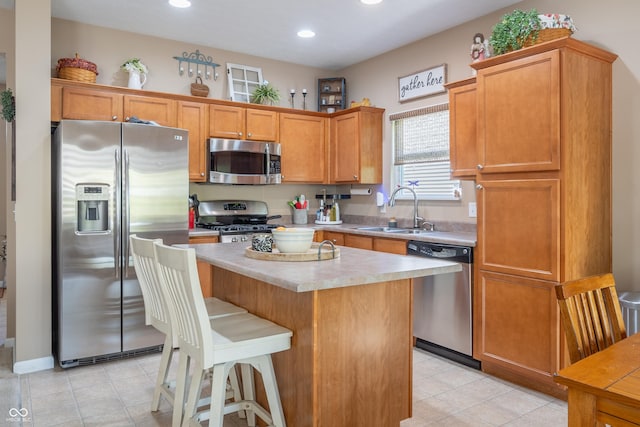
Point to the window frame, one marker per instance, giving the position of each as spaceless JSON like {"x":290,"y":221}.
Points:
{"x":242,"y":94}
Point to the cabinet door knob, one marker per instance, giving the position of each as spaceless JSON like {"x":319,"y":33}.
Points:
{"x":249,"y":134}
{"x":126,"y":119}
{"x":239,"y":133}
{"x":479,"y":187}
{"x":355,"y":177}
{"x":480,"y":167}
{"x":201,"y":173}
{"x":114,"y":118}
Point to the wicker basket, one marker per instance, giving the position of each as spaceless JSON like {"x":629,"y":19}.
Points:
{"x":548,"y":34}
{"x":77,"y":69}
{"x":199,"y":89}
{"x":77,"y":74}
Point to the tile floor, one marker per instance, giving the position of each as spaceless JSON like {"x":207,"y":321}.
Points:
{"x":119,"y":393}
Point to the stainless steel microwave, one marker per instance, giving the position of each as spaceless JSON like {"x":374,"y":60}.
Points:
{"x":234,"y":161}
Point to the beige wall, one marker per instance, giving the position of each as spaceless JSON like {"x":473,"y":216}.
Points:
{"x":610,"y":28}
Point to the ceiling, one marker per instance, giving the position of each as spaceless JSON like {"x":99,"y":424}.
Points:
{"x":347,"y":31}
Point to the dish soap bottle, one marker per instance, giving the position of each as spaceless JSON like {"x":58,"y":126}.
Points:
{"x":332,"y":213}
{"x":337,"y":208}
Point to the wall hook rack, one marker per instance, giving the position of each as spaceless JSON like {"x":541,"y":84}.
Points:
{"x":204,"y":65}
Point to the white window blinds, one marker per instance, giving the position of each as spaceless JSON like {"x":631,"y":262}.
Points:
{"x":421,"y":152}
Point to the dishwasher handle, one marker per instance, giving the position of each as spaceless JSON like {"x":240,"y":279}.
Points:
{"x":439,"y":251}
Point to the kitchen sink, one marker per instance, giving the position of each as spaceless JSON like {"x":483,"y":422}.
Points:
{"x":396,"y":230}
{"x":387,"y":229}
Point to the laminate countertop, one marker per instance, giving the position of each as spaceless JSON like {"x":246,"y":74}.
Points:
{"x":462,"y":238}
{"x":352,"y":267}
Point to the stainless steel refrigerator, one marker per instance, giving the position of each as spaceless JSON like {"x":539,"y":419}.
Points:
{"x":110,"y":180}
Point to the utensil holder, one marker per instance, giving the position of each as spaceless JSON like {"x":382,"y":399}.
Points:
{"x":300,"y":216}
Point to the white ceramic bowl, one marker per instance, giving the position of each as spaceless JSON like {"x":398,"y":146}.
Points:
{"x":293,"y":240}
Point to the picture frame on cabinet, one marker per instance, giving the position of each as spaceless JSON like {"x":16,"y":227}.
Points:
{"x":422,"y":83}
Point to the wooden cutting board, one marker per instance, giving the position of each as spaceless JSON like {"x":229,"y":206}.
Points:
{"x":310,"y":255}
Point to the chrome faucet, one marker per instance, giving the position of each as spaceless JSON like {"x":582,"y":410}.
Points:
{"x":392,"y":202}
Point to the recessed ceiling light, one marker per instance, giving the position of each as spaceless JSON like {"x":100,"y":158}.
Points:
{"x":306,"y":34}
{"x":370,"y":1}
{"x":180,"y":3}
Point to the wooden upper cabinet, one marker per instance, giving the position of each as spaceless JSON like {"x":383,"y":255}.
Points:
{"x":356,"y":147}
{"x":230,"y":122}
{"x":193,"y":117}
{"x":56,"y":103}
{"x":262,"y":125}
{"x":462,"y":128}
{"x":304,"y":141}
{"x":519,"y":115}
{"x":81,"y":103}
{"x":89,"y":104}
{"x":226,"y":122}
{"x":159,"y":110}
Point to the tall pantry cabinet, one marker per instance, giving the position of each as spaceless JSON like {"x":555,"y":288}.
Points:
{"x":543,"y":184}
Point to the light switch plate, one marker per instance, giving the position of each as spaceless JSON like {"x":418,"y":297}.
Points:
{"x":473,"y":210}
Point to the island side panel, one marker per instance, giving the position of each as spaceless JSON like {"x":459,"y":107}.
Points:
{"x":364,"y":354}
{"x":350,"y":362}
{"x":294,"y":367}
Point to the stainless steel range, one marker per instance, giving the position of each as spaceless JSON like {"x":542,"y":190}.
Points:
{"x":235,"y":220}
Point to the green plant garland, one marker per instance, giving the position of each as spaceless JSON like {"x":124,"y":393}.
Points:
{"x":514,"y":30}
{"x":8,"y":105}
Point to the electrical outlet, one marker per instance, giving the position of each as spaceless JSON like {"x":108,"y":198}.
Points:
{"x":473,"y":210}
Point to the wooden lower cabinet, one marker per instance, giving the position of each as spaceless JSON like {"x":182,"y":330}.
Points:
{"x":336,"y":238}
{"x":204,"y":268}
{"x":357,"y":241}
{"x":517,"y":331}
{"x":394,"y":246}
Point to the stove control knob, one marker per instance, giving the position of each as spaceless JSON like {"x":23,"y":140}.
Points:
{"x":234,"y":239}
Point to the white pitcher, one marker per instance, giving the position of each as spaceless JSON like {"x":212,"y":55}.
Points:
{"x":134,"y":79}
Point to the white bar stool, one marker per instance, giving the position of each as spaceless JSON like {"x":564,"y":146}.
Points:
{"x":216,"y":343}
{"x":157,"y":315}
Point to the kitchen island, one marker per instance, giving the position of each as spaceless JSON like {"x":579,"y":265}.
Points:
{"x":350,"y":362}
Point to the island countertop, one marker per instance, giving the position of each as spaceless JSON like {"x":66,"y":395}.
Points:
{"x":352,"y":267}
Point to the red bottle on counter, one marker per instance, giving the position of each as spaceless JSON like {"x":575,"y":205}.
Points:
{"x":192,"y":218}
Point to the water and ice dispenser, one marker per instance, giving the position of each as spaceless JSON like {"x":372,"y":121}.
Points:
{"x":92,"y":208}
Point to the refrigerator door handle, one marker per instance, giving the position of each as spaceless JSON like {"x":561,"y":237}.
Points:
{"x":126,"y":212}
{"x":116,"y":235}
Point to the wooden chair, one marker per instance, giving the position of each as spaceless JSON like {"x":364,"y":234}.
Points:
{"x":217,"y":344}
{"x":591,"y":315}
{"x":157,"y":315}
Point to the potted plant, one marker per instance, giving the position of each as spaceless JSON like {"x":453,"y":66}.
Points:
{"x":8,"y":105}
{"x":134,"y":64}
{"x":265,"y":93}
{"x":515,"y":30}
{"x":137,"y":72}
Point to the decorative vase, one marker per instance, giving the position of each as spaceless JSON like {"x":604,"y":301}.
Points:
{"x":135,"y":80}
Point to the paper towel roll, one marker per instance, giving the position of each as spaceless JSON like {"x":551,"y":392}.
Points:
{"x":360,"y":191}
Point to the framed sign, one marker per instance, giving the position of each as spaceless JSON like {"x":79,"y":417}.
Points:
{"x":423,"y":83}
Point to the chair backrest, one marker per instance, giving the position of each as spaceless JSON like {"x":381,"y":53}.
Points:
{"x":179,"y":273}
{"x":156,"y":313}
{"x":591,"y":315}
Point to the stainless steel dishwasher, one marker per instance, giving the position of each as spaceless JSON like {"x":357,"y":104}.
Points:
{"x":443,"y":304}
